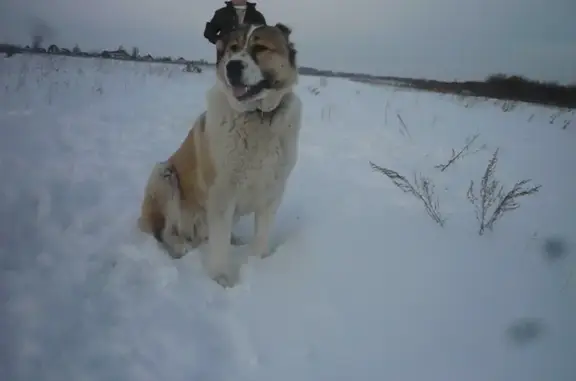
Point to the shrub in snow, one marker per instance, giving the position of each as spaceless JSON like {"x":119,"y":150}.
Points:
{"x":191,"y":68}
{"x":313,"y":90}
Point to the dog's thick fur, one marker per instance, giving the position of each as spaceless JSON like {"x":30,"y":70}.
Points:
{"x":236,"y":159}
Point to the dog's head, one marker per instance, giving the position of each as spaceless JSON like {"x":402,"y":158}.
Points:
{"x":257,"y":66}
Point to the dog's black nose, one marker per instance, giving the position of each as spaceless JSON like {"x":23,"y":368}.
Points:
{"x":234,"y":70}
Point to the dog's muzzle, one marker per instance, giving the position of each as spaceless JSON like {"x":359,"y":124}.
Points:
{"x":234,"y":74}
{"x":234,"y":71}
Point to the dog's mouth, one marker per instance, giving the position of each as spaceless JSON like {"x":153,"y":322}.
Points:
{"x":243,"y":93}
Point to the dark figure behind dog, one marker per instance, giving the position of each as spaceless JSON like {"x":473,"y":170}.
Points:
{"x":230,"y":17}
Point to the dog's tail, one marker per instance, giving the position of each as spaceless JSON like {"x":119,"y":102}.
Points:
{"x":162,"y":194}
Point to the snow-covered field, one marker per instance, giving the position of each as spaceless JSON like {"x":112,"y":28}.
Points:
{"x":363,"y":285}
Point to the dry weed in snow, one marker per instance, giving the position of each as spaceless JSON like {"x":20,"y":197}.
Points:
{"x":492,"y":202}
{"x":404,"y":127}
{"x":465,"y":151}
{"x":423,"y":189}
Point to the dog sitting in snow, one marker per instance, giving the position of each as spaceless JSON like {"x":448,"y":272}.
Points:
{"x":237,"y":157}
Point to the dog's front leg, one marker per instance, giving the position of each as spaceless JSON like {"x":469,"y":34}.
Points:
{"x":220,"y":214}
{"x":263,"y":221}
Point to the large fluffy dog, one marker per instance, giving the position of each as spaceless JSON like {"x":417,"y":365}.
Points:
{"x":238,"y":156}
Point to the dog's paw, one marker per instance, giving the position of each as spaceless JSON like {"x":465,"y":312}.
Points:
{"x":226,"y":280}
{"x":178,"y":250}
{"x":226,"y":277}
{"x":194,"y":242}
{"x":237,"y":241}
{"x":261,"y":255}
{"x":260,"y":251}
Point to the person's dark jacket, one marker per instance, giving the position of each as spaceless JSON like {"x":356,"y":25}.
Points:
{"x":225,"y":20}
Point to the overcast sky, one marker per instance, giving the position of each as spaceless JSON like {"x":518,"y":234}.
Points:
{"x":443,"y":39}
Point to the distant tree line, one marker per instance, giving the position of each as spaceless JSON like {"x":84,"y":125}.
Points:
{"x":498,"y":86}
{"x":504,"y":87}
{"x":119,"y":54}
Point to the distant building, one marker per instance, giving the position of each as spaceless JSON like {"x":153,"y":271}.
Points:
{"x":53,"y":49}
{"x":116,"y":54}
{"x":120,"y":54}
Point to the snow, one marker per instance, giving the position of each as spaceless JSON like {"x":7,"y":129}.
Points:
{"x":362,"y":284}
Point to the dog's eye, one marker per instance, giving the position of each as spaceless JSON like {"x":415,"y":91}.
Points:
{"x":234,"y":48}
{"x":259,"y":49}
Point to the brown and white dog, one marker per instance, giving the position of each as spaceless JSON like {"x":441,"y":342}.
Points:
{"x":237,"y":157}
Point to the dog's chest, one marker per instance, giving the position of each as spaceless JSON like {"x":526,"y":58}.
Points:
{"x":260,"y":152}
{"x":256,"y":154}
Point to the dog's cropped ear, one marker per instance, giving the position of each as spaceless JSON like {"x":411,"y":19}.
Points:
{"x":222,"y":42}
{"x":221,"y":46}
{"x":286,"y":31}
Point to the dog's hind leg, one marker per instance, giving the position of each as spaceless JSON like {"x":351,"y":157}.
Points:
{"x":164,"y":187}
{"x":153,"y":209}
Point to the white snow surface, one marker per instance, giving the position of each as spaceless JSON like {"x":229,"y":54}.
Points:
{"x":362,"y":285}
